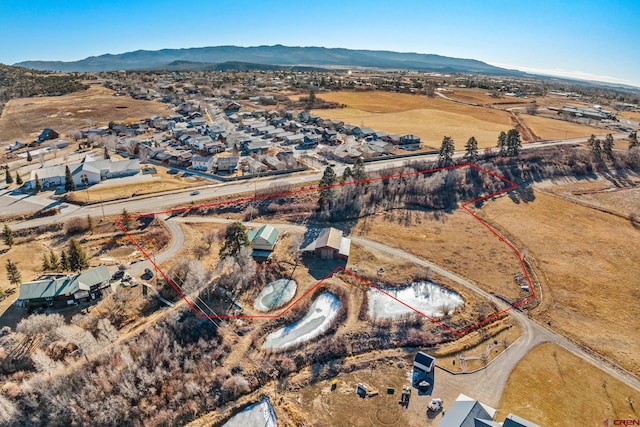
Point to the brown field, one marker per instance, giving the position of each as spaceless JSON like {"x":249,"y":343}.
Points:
{"x":552,"y":387}
{"x":589,"y":260}
{"x":550,"y":129}
{"x":457,"y":242}
{"x":433,"y":118}
{"x":629,"y":115}
{"x":24,"y":118}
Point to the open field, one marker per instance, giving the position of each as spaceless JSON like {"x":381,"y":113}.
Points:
{"x":589,"y":260}
{"x":551,"y":129}
{"x":433,"y":118}
{"x":553,"y":387}
{"x":23,"y":119}
{"x":456,"y":241}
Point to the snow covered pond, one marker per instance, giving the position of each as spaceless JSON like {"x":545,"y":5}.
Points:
{"x":259,"y":414}
{"x":425,"y":297}
{"x":317,"y":320}
{"x":275,"y":294}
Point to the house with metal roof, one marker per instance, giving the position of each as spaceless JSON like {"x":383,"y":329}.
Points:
{"x":468,"y":412}
{"x":70,"y":288}
{"x":263,"y":240}
{"x":330,"y":244}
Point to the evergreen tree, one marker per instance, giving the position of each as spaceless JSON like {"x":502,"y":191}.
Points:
{"x":107,"y":156}
{"x":471,"y":150}
{"x":326,"y":194}
{"x":347,"y":174}
{"x":46,"y":265}
{"x":89,"y":223}
{"x":64,"y":261}
{"x":7,"y":236}
{"x":235,"y":237}
{"x":39,"y":186}
{"x":29,"y":158}
{"x":8,"y":178}
{"x":359,"y":172}
{"x":126,"y":220}
{"x":76,"y":256}
{"x":69,"y":185}
{"x":445,"y":156}
{"x":607,"y":145}
{"x":54,"y":261}
{"x":594,"y":145}
{"x":13,"y":274}
{"x":633,"y":140}
{"x":502,"y":144}
{"x":514,"y":143}
{"x":18,"y":179}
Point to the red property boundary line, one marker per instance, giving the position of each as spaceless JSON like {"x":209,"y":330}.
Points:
{"x":465,"y":206}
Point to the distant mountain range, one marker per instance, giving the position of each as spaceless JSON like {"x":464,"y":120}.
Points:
{"x":205,"y":58}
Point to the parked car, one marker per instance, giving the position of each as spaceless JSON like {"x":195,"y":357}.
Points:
{"x":118,"y":275}
{"x":148,"y":272}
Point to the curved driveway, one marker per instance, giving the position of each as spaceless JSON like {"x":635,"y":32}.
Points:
{"x":487,"y":384}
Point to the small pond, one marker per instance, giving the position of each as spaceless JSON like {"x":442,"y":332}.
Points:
{"x":425,"y":297}
{"x":275,"y":294}
{"x":317,"y":320}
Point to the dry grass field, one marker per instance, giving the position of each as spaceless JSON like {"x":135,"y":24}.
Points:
{"x":589,"y":260}
{"x":553,"y":387}
{"x":457,"y":242}
{"x":24,"y":118}
{"x":433,"y":118}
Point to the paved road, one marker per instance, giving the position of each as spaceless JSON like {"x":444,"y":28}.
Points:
{"x":487,"y":384}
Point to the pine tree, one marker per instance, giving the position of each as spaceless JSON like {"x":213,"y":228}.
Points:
{"x":514,"y":143}
{"x":64,"y":261}
{"x":7,"y":236}
{"x":326,"y":194}
{"x":39,"y":186}
{"x":445,"y":156}
{"x":126,"y":220}
{"x":46,"y":265}
{"x":89,"y":223}
{"x":69,"y":185}
{"x":107,"y":156}
{"x":347,"y":174}
{"x":18,"y":179}
{"x":594,"y":145}
{"x":76,"y":256}
{"x":633,"y":140}
{"x":235,"y":238}
{"x":502,"y":144}
{"x":471,"y":150}
{"x":13,"y":274}
{"x":29,"y":158}
{"x":54,"y":261}
{"x":359,"y":172}
{"x":8,"y":178}
{"x":607,"y":145}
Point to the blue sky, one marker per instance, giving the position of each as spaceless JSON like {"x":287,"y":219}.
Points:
{"x":591,"y":39}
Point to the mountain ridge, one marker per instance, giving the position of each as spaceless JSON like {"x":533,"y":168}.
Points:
{"x":309,"y":56}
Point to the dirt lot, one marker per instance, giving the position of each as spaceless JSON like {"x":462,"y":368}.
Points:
{"x":432,"y":118}
{"x":589,"y":261}
{"x":551,"y":129}
{"x":23,"y":119}
{"x":552,"y":387}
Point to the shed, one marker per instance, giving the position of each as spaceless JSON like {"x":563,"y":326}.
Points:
{"x":330,"y":244}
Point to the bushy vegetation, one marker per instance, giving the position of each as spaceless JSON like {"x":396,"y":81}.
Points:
{"x":17,"y":82}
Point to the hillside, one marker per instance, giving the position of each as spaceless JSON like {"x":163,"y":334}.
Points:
{"x":17,"y":82}
{"x":273,"y":55}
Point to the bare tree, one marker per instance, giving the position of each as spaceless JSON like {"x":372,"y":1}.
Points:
{"x":75,"y":134}
{"x":210,"y":238}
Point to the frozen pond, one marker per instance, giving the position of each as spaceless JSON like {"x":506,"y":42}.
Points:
{"x":425,"y":297}
{"x":275,"y":294}
{"x":317,"y":320}
{"x":259,"y":414}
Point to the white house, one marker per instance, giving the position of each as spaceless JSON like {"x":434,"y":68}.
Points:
{"x":202,"y":163}
{"x":87,"y":172}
